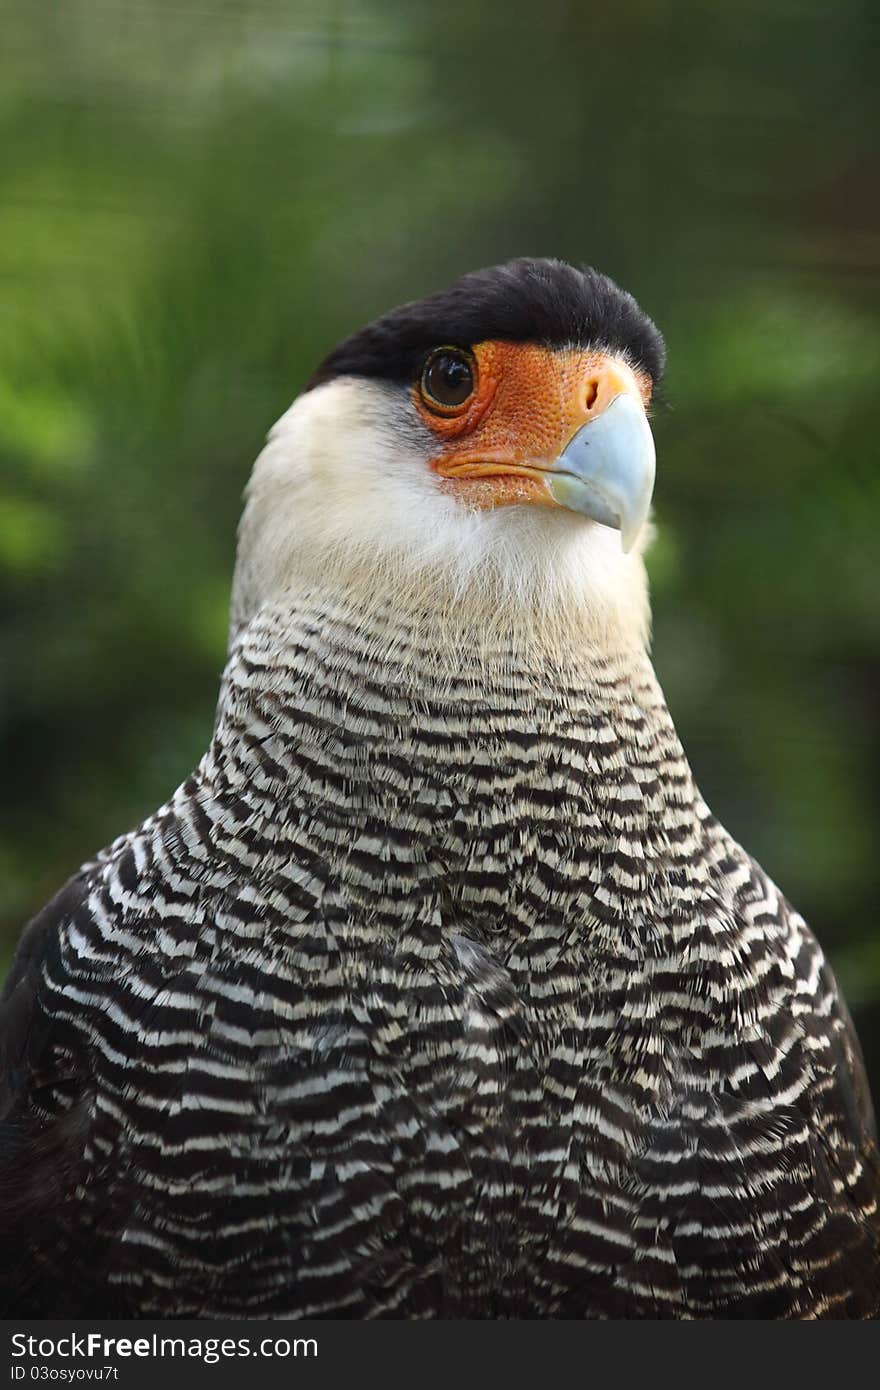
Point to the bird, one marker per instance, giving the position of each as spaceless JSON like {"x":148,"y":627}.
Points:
{"x":436,"y":990}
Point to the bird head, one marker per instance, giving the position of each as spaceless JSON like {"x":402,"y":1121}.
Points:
{"x":485,"y":452}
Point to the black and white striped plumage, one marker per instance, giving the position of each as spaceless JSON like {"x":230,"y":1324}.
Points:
{"x":436,"y":990}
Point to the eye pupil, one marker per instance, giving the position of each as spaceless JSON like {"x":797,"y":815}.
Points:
{"x":448,"y":378}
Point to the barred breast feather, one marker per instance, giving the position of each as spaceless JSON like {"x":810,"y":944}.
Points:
{"x":435,"y":991}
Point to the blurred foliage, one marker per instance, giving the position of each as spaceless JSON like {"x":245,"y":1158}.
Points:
{"x":199,"y":199}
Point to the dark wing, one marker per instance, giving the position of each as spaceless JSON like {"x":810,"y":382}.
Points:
{"x":46,"y":1098}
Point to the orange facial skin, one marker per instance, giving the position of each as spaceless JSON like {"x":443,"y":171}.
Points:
{"x":497,"y":447}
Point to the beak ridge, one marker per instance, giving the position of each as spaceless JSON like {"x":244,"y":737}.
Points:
{"x":607,"y":469}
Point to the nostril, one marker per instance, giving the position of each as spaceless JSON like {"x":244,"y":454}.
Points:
{"x":592,"y":392}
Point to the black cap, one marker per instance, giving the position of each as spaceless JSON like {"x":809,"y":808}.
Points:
{"x":529,"y":300}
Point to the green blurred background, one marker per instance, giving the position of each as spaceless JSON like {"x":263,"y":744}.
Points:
{"x":199,"y":199}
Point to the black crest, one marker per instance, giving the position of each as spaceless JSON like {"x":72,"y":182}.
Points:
{"x":527,"y":300}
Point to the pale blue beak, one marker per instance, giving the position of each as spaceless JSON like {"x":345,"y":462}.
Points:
{"x":606,"y":471}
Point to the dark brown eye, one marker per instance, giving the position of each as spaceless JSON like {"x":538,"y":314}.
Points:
{"x":448,"y":378}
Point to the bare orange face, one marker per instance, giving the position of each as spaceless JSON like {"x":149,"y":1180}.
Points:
{"x":504,"y":413}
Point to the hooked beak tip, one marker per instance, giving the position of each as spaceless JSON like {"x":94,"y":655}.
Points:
{"x":607,"y":469}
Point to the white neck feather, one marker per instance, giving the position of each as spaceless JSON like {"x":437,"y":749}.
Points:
{"x":342,"y":500}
